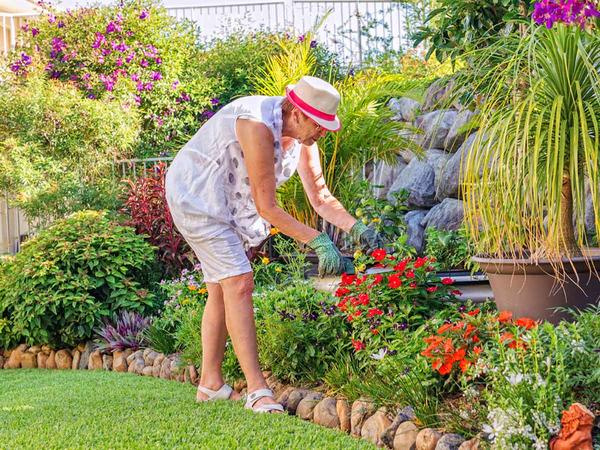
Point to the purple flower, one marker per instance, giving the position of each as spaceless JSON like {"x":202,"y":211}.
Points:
{"x":569,"y":12}
{"x":144,"y":63}
{"x":60,"y":24}
{"x":51,"y":18}
{"x":55,"y":74}
{"x":140,"y":86}
{"x":149,"y":86}
{"x":313,"y":44}
{"x":301,"y":38}
{"x":215,"y":101}
{"x":119,"y":62}
{"x":207,"y":114}
{"x":156,"y":76}
{"x":158,"y":61}
{"x":15,"y":67}
{"x":106,"y":51}
{"x":174,"y":84}
{"x":183,"y":98}
{"x":130,"y":57}
{"x":100,"y":39}
{"x":91,"y":96}
{"x":25,"y":59}
{"x":35,"y":31}
{"x":137,"y":99}
{"x":86,"y":76}
{"x":135,"y":77}
{"x":113,"y":27}
{"x":109,"y":82}
{"x":25,"y":27}
{"x":144,"y":14}
{"x":58,"y":44}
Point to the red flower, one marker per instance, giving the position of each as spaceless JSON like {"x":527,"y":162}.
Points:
{"x":379,"y":254}
{"x":432,"y":289}
{"x":413,"y":285}
{"x":445,"y":369}
{"x":526,"y":323}
{"x":477,"y":350}
{"x":464,"y":365}
{"x":342,"y":305}
{"x":447,"y":280}
{"x":347,"y":279}
{"x":394,"y":282}
{"x":378,"y":278}
{"x":363,"y":299}
{"x":374,"y":312}
{"x":357,"y":313}
{"x":358,"y":345}
{"x":375,"y":331}
{"x":504,"y":316}
{"x":444,"y":328}
{"x":420,"y":262}
{"x":468,"y":331}
{"x":340,"y":292}
{"x":459,"y":354}
{"x":456,"y":292}
{"x":355,"y":301}
{"x":474,"y":312}
{"x":401,"y":266}
{"x":410,"y":274}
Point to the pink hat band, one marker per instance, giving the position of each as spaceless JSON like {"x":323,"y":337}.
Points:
{"x":310,"y":109}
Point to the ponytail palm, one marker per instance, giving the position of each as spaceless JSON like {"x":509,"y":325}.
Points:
{"x":538,"y":145}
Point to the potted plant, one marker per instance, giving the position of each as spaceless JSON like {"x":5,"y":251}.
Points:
{"x":536,"y":154}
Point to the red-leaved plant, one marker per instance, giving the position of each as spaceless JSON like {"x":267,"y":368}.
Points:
{"x":457,"y":345}
{"x":147,"y":206}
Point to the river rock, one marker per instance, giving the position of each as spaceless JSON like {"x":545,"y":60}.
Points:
{"x":384,"y":175}
{"x":136,"y":366}
{"x":447,"y":215}
{"x":120,"y":360}
{"x":15,"y":357}
{"x":95,"y":360}
{"x":406,"y":436}
{"x":165,"y":369}
{"x":450,"y":178}
{"x":147,"y":371}
{"x":307,"y":405}
{"x":325,"y":413}
{"x":34,"y":349}
{"x":294,"y":398}
{"x":28,"y":360}
{"x":76,"y":357}
{"x":427,"y":439}
{"x":471,"y":444}
{"x":361,"y":410}
{"x":435,"y":126}
{"x":63,"y":359}
{"x":282,"y":398}
{"x":51,"y":361}
{"x":405,"y":109}
{"x":450,"y":441}
{"x":343,"y":411}
{"x":150,"y":356}
{"x":41,"y":360}
{"x":404,"y":415}
{"x":135,"y":355}
{"x":46,"y":349}
{"x":418,"y":178}
{"x":107,"y":362}
{"x":456,"y":136}
{"x":84,"y":359}
{"x":374,"y":426}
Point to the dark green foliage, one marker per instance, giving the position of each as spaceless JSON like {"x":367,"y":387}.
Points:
{"x":451,"y":249}
{"x":72,"y":275}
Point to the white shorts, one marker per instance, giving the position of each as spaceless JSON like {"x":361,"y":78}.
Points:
{"x":219,"y":249}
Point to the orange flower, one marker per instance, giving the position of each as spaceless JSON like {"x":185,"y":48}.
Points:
{"x":459,"y":354}
{"x":474,"y":312}
{"x":477,"y":350}
{"x":469,"y":331}
{"x":445,"y":369}
{"x":444,"y":328}
{"x":506,"y":337}
{"x":504,"y":316}
{"x":436,"y":363}
{"x":526,"y":323}
{"x":464,"y":365}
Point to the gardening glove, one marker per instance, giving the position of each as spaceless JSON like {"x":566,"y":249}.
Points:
{"x":331,"y":261}
{"x":368,"y":238}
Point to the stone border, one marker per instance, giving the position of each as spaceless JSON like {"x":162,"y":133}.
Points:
{"x":361,"y":419}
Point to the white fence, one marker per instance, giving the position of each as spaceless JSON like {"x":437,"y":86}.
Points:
{"x":9,"y":29}
{"x":352,"y":29}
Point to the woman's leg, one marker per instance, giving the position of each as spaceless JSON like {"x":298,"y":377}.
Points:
{"x":239,"y":316}
{"x":214,"y":336}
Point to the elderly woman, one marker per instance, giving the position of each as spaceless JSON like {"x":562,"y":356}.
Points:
{"x":221,"y":192}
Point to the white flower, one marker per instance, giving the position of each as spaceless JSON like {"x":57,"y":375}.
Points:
{"x":515,"y":378}
{"x":380,"y":354}
{"x":578,"y":346}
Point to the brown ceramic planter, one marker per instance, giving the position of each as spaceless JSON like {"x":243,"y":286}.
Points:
{"x":531,"y":290}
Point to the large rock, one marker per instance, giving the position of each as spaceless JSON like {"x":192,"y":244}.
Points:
{"x":34,"y":349}
{"x":404,"y":415}
{"x":136,"y":365}
{"x":107,"y":362}
{"x":361,"y":410}
{"x":427,"y":439}
{"x":51,"y":361}
{"x":447,"y":215}
{"x":343,"y":411}
{"x":418,"y":179}
{"x":165,"y":369}
{"x":374,"y":427}
{"x":95,"y":360}
{"x":135,"y":355}
{"x":294,"y":399}
{"x":307,"y":405}
{"x":147,"y":371}
{"x":150,"y":356}
{"x":450,"y":177}
{"x":472,"y":444}
{"x":325,"y":413}
{"x":438,"y":94}
{"x":15,"y":357}
{"x":76,"y":358}
{"x":450,"y":442}
{"x":41,"y":360}
{"x":414,"y":229}
{"x":120,"y":360}
{"x":456,"y":135}
{"x":384,"y":175}
{"x":63,"y":359}
{"x":406,"y":436}
{"x":405,"y":109}
{"x":435,"y":126}
{"x":85,"y":356}
{"x":437,"y":159}
{"x":157,"y":365}
{"x":28,"y":360}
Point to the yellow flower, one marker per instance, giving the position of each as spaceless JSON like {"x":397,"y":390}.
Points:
{"x":192,"y":287}
{"x":376,"y":220}
{"x":265,"y":260}
{"x":361,"y":267}
{"x":185,"y":301}
{"x":357,"y":254}
{"x":274,"y":230}
{"x":278,"y":269}
{"x":203,"y":291}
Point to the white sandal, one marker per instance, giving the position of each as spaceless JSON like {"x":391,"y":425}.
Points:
{"x":256,"y":396}
{"x":223,"y":393}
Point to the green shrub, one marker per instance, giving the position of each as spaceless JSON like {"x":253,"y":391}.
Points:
{"x":56,"y":148}
{"x":451,"y":249}
{"x":72,"y":275}
{"x":297,"y":339}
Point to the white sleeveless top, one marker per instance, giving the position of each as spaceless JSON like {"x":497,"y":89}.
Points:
{"x":207,"y":183}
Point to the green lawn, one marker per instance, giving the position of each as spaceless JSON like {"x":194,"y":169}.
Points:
{"x":46,"y":409}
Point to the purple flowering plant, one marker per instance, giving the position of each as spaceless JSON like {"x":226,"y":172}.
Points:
{"x":568,"y":12}
{"x":125,"y":330}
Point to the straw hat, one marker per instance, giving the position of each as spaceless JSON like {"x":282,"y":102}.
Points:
{"x":317,"y":99}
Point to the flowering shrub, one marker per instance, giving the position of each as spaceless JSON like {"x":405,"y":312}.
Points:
{"x":134,"y":53}
{"x":381,"y":305}
{"x":568,"y":12}
{"x":125,"y":331}
{"x":149,"y":215}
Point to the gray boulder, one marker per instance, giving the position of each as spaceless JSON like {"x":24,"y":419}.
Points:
{"x":435,"y":126}
{"x":447,"y":215}
{"x":84,"y":359}
{"x":455,"y":137}
{"x":450,"y":179}
{"x":449,"y":442}
{"x":405,"y":108}
{"x":384,"y":174}
{"x":437,"y":159}
{"x":437,"y":94}
{"x":414,"y":229}
{"x":418,"y":179}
